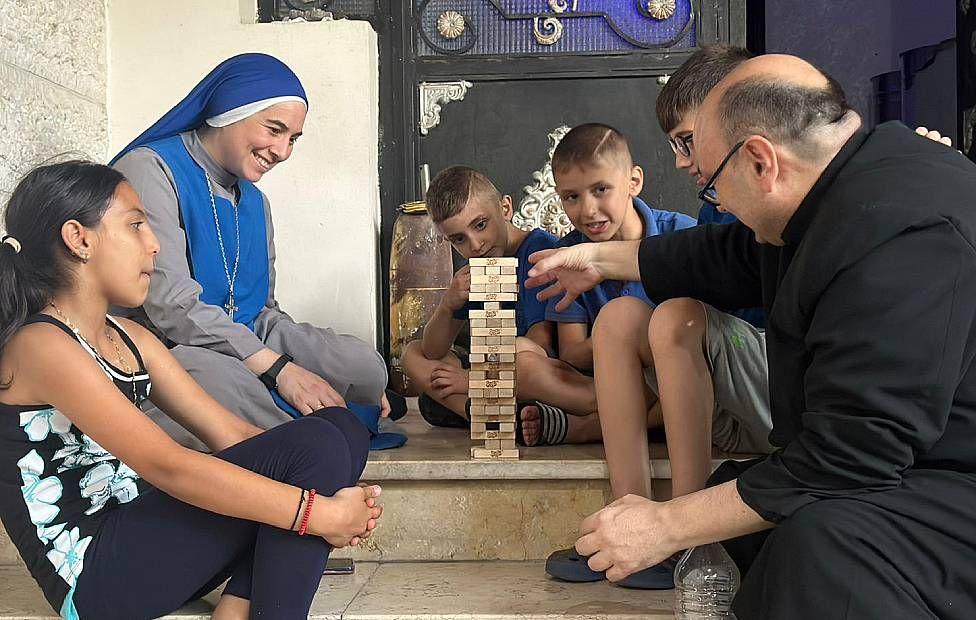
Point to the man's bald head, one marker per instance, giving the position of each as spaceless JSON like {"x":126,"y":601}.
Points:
{"x":783,"y":98}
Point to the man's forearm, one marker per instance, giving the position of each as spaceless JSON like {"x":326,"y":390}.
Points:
{"x":617,"y":260}
{"x":710,"y":515}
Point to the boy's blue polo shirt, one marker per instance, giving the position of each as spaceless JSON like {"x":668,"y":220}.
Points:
{"x":585,"y":307}
{"x":528,"y":309}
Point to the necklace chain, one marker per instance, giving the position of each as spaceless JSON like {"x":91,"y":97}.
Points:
{"x":231,"y":275}
{"x":108,"y":334}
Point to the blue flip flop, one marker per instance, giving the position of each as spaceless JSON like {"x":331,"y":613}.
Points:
{"x":568,"y":565}
{"x":369,"y":415}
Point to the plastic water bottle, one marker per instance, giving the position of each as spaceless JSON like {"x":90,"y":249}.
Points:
{"x":705,"y":582}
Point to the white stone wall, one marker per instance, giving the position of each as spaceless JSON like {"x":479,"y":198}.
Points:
{"x":53,"y":82}
{"x":325,"y":199}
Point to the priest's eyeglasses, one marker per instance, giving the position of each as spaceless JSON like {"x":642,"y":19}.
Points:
{"x":682,"y":144}
{"x":708,"y":193}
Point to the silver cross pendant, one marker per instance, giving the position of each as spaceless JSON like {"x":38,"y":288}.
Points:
{"x":230,"y":307}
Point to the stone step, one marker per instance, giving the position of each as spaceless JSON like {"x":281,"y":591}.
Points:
{"x":408,"y":590}
{"x":442,"y":505}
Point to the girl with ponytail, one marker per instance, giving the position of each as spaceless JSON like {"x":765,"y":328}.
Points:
{"x":104,"y":508}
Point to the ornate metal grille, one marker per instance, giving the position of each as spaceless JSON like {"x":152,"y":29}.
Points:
{"x":547,"y":27}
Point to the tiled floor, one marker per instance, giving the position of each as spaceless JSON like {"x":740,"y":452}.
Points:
{"x":429,"y":590}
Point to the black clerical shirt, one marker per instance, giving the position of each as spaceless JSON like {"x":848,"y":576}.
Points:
{"x":871,"y":305}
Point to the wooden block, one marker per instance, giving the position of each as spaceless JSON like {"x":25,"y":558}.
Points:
{"x":503,"y":358}
{"x":492,"y":314}
{"x":478,"y":427}
{"x":482,"y":453}
{"x":497,"y":349}
{"x":493,"y":323}
{"x":492,"y":383}
{"x":477,"y":288}
{"x":493,"y":297}
{"x":493,"y":435}
{"x":507,"y":340}
{"x":476,"y":271}
{"x":476,"y":393}
{"x":496,"y":279}
{"x":507,"y":270}
{"x":494,"y":270}
{"x":497,"y":366}
{"x":492,"y":288}
{"x":493,"y":444}
{"x":506,"y":427}
{"x":506,"y":393}
{"x":505,"y":375}
{"x":478,"y":375}
{"x":507,"y":261}
{"x":510,"y":287}
{"x":493,"y":331}
{"x":478,"y":340}
{"x":493,"y":340}
{"x":491,"y":305}
{"x":478,"y":323}
{"x":506,"y":443}
{"x":477,"y":358}
{"x":476,"y":409}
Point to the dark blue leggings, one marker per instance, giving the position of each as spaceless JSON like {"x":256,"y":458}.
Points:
{"x":156,"y":553}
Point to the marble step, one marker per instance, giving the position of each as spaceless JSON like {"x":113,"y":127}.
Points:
{"x":442,"y":505}
{"x":415,"y":590}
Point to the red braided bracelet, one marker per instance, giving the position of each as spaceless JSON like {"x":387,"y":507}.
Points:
{"x":308,"y":512}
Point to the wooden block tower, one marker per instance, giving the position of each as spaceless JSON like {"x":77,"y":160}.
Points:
{"x":491,"y":382}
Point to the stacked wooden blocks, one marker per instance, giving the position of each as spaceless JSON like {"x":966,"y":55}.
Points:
{"x":491,"y":381}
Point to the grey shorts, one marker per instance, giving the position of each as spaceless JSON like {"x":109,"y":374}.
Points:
{"x":737,"y":362}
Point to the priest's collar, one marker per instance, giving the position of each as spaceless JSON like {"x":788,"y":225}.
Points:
{"x":798,"y":224}
{"x":194,"y":146}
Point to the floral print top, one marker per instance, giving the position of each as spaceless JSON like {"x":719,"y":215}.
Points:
{"x":56,"y":483}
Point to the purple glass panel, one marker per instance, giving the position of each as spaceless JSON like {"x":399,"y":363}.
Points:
{"x":501,"y":27}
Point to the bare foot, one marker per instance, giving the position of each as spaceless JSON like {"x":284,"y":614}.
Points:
{"x":531,"y":425}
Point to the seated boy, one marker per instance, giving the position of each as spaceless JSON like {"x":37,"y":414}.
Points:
{"x":471,"y":213}
{"x":598,"y":184}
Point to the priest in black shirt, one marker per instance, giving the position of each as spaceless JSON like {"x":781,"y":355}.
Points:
{"x":861,"y":246}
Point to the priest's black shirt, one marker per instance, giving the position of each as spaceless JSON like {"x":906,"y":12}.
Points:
{"x":871,"y":334}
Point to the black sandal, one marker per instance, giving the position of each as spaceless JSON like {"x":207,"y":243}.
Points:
{"x":554,"y":424}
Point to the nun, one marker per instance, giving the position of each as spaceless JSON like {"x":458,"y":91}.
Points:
{"x":211,"y":298}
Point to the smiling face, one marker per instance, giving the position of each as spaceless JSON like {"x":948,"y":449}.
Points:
{"x":598,"y":199}
{"x":480,"y":229}
{"x":251,"y":147}
{"x":125,"y":250}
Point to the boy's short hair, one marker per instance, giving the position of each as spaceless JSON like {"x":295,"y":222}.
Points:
{"x":691,"y":83}
{"x":453,"y":187}
{"x":586,"y":144}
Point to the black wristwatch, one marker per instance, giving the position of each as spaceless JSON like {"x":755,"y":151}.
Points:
{"x":270,"y":376}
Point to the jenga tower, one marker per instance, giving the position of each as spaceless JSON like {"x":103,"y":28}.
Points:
{"x":491,"y":383}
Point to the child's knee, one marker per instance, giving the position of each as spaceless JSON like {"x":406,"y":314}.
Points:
{"x":677,"y":322}
{"x":621,"y":319}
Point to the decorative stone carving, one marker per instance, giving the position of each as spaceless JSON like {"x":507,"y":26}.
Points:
{"x":450,"y":24}
{"x":433,"y":95}
{"x":540,"y":207}
{"x":661,"y":9}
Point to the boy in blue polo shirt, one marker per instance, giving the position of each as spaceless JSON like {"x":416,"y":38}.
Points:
{"x":473,"y":215}
{"x":598,"y":185}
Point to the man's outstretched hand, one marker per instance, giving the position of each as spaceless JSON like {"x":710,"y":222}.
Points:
{"x":568,"y":271}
